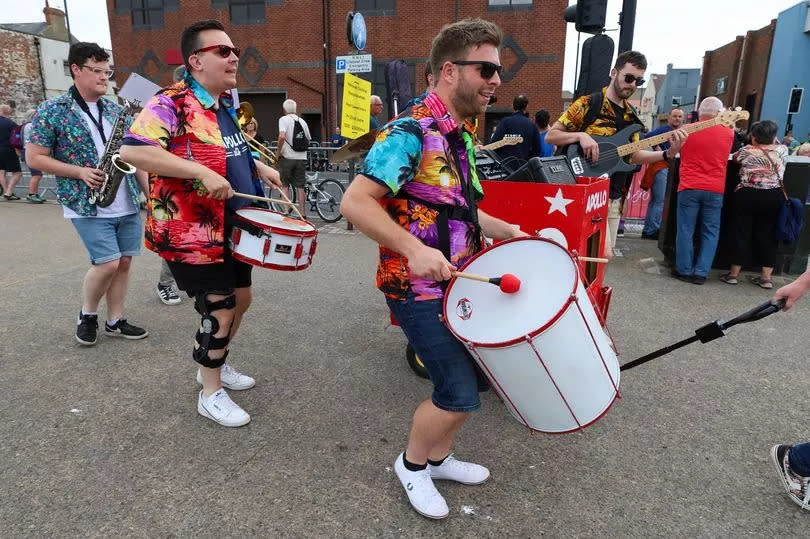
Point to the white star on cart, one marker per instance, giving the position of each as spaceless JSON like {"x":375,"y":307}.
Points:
{"x":558,"y":203}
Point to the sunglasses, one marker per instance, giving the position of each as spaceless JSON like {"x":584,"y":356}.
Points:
{"x":98,"y":71}
{"x":222,"y":50}
{"x":628,"y":78}
{"x":488,"y":69}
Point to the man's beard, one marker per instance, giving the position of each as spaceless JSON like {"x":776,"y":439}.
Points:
{"x":618,"y":89}
{"x":465,"y":100}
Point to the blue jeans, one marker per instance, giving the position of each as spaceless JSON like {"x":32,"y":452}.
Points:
{"x":456,"y":381}
{"x":697,"y":207}
{"x":109,"y":238}
{"x":652,"y":223}
{"x":800,"y":459}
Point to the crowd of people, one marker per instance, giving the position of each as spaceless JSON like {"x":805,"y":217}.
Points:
{"x":417,"y":195}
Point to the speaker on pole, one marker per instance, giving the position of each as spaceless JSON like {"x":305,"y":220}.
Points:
{"x":597,"y":58}
{"x":397,"y":86}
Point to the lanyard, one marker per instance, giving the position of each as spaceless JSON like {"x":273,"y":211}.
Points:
{"x":83,"y":105}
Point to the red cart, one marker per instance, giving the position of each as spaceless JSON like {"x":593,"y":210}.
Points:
{"x":573,"y":215}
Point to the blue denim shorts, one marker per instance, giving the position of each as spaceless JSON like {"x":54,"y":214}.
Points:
{"x":456,"y":379}
{"x":109,"y":238}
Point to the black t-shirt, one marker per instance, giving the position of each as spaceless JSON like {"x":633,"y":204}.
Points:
{"x":6,"y":126}
{"x":519,"y":125}
{"x":619,"y":181}
{"x":238,"y":167}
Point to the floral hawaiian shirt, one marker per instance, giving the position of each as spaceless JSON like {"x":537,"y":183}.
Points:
{"x":423,"y":156}
{"x":183,"y":224}
{"x":60,"y":125}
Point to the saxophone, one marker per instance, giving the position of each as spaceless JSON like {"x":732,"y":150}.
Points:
{"x":111,"y":164}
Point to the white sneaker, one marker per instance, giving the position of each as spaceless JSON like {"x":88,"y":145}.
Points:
{"x":462,"y":472}
{"x":231,"y":378}
{"x":222,"y":409}
{"x":422,"y":494}
{"x":167,"y":294}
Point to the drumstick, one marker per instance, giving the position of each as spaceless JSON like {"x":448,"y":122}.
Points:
{"x":593,"y":259}
{"x":284,"y":195}
{"x":507,"y":282}
{"x":265,"y":199}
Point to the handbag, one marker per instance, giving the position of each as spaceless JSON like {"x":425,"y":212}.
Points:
{"x":790,"y":221}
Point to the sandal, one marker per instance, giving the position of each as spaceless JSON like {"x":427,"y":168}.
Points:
{"x":11,"y":197}
{"x":762,"y":283}
{"x":729,"y":279}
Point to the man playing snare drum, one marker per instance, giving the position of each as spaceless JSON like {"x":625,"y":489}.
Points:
{"x":189,"y":138}
{"x":416,"y":196}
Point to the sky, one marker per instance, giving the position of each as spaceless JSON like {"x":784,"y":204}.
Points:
{"x":677,"y":32}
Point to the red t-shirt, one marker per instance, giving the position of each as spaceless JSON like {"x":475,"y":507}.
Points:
{"x":704,"y":157}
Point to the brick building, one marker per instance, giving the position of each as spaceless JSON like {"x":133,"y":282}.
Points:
{"x":290,"y":47}
{"x":34,"y":59}
{"x":737,"y":71}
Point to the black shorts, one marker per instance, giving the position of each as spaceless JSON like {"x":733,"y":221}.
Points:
{"x":9,"y":161}
{"x":219,"y":278}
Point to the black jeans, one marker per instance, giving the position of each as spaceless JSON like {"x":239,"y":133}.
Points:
{"x":753,"y":218}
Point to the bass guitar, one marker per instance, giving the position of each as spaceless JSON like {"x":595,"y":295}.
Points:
{"x":613,"y":150}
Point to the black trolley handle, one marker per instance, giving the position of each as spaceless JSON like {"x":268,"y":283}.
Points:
{"x":711,"y":331}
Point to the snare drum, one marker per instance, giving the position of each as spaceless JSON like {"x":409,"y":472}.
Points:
{"x":542,"y":348}
{"x":265,"y":238}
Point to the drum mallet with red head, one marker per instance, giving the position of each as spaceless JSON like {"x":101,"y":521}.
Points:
{"x":507,"y":282}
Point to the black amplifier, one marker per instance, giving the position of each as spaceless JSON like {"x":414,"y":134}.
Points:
{"x":544,"y":170}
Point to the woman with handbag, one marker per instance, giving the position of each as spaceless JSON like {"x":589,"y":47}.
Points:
{"x":756,"y":203}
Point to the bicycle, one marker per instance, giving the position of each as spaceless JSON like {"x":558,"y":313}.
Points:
{"x":324,"y":198}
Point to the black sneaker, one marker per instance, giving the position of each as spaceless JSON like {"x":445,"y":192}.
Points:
{"x":697,"y":279}
{"x":124,"y":329}
{"x":86,"y":329}
{"x":167,"y":294}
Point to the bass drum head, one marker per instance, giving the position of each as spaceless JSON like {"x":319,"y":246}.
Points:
{"x":273,"y":219}
{"x":482,"y":314}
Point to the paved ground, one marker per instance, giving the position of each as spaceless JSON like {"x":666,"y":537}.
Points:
{"x":106,"y":441}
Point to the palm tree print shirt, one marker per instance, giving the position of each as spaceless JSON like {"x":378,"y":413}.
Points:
{"x":424,"y":155}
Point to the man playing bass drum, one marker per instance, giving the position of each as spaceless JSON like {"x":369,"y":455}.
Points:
{"x":580,"y":122}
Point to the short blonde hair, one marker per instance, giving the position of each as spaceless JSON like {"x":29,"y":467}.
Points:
{"x":804,"y":149}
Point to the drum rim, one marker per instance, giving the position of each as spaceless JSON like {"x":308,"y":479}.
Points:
{"x":254,"y":262}
{"x":280,"y":230}
{"x":553,"y":320}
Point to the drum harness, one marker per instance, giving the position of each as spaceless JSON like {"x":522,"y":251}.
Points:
{"x":451,"y":211}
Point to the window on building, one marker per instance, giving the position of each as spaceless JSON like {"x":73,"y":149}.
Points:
{"x":676,"y":101}
{"x":683,"y":80}
{"x":720,"y":85}
{"x":499,"y":5}
{"x":376,"y":7}
{"x":247,"y":11}
{"x":146,"y":13}
{"x":66,"y":66}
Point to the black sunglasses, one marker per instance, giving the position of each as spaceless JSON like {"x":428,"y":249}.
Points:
{"x":223,"y":50}
{"x":488,"y":69}
{"x":628,"y":78}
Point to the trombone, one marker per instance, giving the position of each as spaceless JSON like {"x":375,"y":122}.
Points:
{"x":245,"y":114}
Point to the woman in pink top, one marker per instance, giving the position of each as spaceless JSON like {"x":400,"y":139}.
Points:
{"x":756,"y":203}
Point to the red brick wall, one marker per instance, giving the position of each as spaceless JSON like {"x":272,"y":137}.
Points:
{"x":20,"y":78}
{"x":725,"y":61}
{"x":294,"y":33}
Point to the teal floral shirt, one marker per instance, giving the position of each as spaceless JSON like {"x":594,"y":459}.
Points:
{"x":60,"y":125}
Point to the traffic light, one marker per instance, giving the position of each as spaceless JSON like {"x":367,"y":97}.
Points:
{"x":587,"y":15}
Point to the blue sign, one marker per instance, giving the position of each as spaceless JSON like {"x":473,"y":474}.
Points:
{"x":340,"y":66}
{"x":359,"y":31}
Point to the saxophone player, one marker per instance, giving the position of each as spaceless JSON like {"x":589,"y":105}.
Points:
{"x":68,"y":138}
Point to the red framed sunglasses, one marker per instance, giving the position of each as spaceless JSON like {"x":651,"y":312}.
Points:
{"x":223,"y":51}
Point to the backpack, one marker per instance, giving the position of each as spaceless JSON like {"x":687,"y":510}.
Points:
{"x":300,"y":142}
{"x":16,"y":138}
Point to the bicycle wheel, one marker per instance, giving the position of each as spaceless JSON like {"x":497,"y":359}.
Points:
{"x":328,"y":195}
{"x":279,"y":206}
